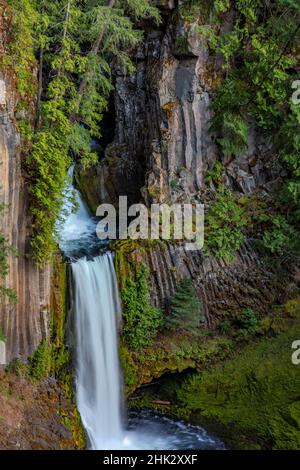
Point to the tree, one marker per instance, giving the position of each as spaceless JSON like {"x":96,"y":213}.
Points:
{"x":77,"y":42}
{"x":185,"y":308}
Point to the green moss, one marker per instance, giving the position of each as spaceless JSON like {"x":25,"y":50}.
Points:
{"x":128,"y":367}
{"x":252,"y":399}
{"x":171,"y":352}
{"x":2,"y":335}
{"x":61,"y":358}
{"x":74,"y":423}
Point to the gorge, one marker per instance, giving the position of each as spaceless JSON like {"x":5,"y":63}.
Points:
{"x":162,"y":102}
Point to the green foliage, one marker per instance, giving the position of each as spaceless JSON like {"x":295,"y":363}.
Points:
{"x":235,"y":134}
{"x":185,"y":308}
{"x":281,"y":238}
{"x":40,"y":362}
{"x":251,"y":399}
{"x":141,"y":320}
{"x":225,"y":327}
{"x":20,"y":56}
{"x":248,"y":324}
{"x":215,"y":174}
{"x":128,"y":367}
{"x":225,"y":222}
{"x":259,"y":63}
{"x":74,"y":44}
{"x":174,"y":184}
{"x":2,"y":335}
{"x":289,"y":143}
{"x":5,"y":250}
{"x":248,"y":320}
{"x":17,"y":367}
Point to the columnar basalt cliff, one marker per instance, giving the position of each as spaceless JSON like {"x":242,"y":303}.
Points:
{"x":25,"y":323}
{"x":163,"y":142}
{"x":163,"y":147}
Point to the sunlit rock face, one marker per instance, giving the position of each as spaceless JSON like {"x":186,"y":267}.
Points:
{"x":24,"y":324}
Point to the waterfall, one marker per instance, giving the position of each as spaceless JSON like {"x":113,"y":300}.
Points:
{"x":96,"y":314}
{"x":97,"y":309}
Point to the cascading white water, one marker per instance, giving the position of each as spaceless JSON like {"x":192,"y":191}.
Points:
{"x":97,"y":309}
{"x":77,"y":225}
{"x":98,"y":387}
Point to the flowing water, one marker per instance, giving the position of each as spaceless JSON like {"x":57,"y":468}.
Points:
{"x":97,"y":306}
{"x":98,"y":377}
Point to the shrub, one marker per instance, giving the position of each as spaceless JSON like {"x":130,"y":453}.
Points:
{"x":225,"y":222}
{"x":185,"y":307}
{"x":40,"y":362}
{"x":248,"y":324}
{"x":142,"y":320}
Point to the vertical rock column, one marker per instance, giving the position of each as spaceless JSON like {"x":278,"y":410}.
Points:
{"x":24,"y":324}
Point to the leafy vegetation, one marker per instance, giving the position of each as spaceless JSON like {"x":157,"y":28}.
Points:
{"x":173,"y":351}
{"x":74,"y":44}
{"x":185,"y":308}
{"x":40,"y":362}
{"x":6,"y":249}
{"x":2,"y":335}
{"x":225,"y":223}
{"x":254,"y":92}
{"x":53,"y":358}
{"x":248,"y":324}
{"x":141,"y":320}
{"x":253,"y":398}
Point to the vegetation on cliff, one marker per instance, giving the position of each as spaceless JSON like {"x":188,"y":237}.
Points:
{"x":5,"y":250}
{"x":74,"y":45}
{"x":53,"y":358}
{"x":254,"y":397}
{"x":250,"y":399}
{"x":260,"y":65}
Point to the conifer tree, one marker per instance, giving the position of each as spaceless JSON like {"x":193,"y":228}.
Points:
{"x":77,"y":42}
{"x":185,"y":308}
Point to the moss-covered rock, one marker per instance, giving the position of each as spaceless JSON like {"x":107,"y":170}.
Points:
{"x":251,"y":400}
{"x":172,"y":352}
{"x":61,"y":360}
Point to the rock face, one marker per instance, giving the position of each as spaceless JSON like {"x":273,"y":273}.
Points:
{"x":163,"y":143}
{"x":26,"y":323}
{"x":162,"y":132}
{"x":225,"y":288}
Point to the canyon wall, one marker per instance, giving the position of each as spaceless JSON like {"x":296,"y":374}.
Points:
{"x":25,"y":323}
{"x":162,"y":149}
{"x":163,"y":143}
